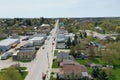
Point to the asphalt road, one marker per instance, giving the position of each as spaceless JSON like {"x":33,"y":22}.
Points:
{"x":43,"y":61}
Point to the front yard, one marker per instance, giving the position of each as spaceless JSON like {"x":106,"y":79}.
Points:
{"x":55,"y":64}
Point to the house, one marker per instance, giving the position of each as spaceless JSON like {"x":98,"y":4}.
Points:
{"x":70,"y":70}
{"x":64,"y":56}
{"x":61,"y":45}
{"x":60,"y":41}
{"x":45,"y":28}
{"x":27,"y":53}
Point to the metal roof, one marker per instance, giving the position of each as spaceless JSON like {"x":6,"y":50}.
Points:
{"x":7,"y":42}
{"x":36,"y":38}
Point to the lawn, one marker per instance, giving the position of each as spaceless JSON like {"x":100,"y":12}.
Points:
{"x":55,"y":52}
{"x":81,"y":61}
{"x":55,"y":64}
{"x":23,"y":72}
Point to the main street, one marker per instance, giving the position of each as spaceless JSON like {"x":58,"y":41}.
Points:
{"x":43,"y":61}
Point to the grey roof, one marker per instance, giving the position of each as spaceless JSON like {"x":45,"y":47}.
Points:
{"x":61,"y":38}
{"x":7,"y":42}
{"x":60,"y":45}
{"x":64,"y":55}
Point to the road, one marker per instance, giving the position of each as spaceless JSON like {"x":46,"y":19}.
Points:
{"x":43,"y":60}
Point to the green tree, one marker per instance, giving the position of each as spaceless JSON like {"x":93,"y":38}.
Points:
{"x":11,"y":74}
{"x":95,"y":72}
{"x":102,"y":75}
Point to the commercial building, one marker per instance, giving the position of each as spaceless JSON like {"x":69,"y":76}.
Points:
{"x":6,"y":44}
{"x":36,"y":41}
{"x":27,"y":53}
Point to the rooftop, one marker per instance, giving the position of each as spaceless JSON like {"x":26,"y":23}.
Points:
{"x":69,"y":66}
{"x":7,"y":42}
{"x":36,"y":38}
{"x":45,"y":25}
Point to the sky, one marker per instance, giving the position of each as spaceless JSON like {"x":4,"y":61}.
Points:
{"x":59,"y":8}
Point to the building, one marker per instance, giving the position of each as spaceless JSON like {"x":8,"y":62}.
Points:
{"x":61,"y":45}
{"x":37,"y":41}
{"x":60,"y":38}
{"x":6,"y":44}
{"x":60,"y":41}
{"x":64,"y":56}
{"x":45,"y":28}
{"x":40,"y":35}
{"x":27,"y":53}
{"x":71,"y":70}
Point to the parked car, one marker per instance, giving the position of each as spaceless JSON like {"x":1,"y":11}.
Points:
{"x":25,"y":39}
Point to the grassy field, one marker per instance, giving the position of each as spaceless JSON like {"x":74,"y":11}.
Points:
{"x":23,"y":72}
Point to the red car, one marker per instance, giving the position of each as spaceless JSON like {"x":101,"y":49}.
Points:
{"x":43,"y":76}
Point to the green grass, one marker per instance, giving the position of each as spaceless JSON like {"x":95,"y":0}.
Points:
{"x":22,"y":68}
{"x":55,"y":64}
{"x":24,"y":74}
{"x":55,"y":52}
{"x":96,"y":61}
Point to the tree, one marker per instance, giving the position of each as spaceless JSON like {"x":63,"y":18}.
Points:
{"x":95,"y":72}
{"x":11,"y":74}
{"x":68,"y":42}
{"x":102,"y":75}
{"x":117,"y":29}
{"x":110,"y":56}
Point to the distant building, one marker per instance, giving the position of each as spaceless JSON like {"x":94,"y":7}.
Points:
{"x":26,"y":53}
{"x":45,"y":28}
{"x":6,"y":44}
{"x":71,"y":70}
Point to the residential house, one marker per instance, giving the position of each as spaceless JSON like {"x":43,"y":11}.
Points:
{"x":64,"y":56}
{"x":71,"y":70}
